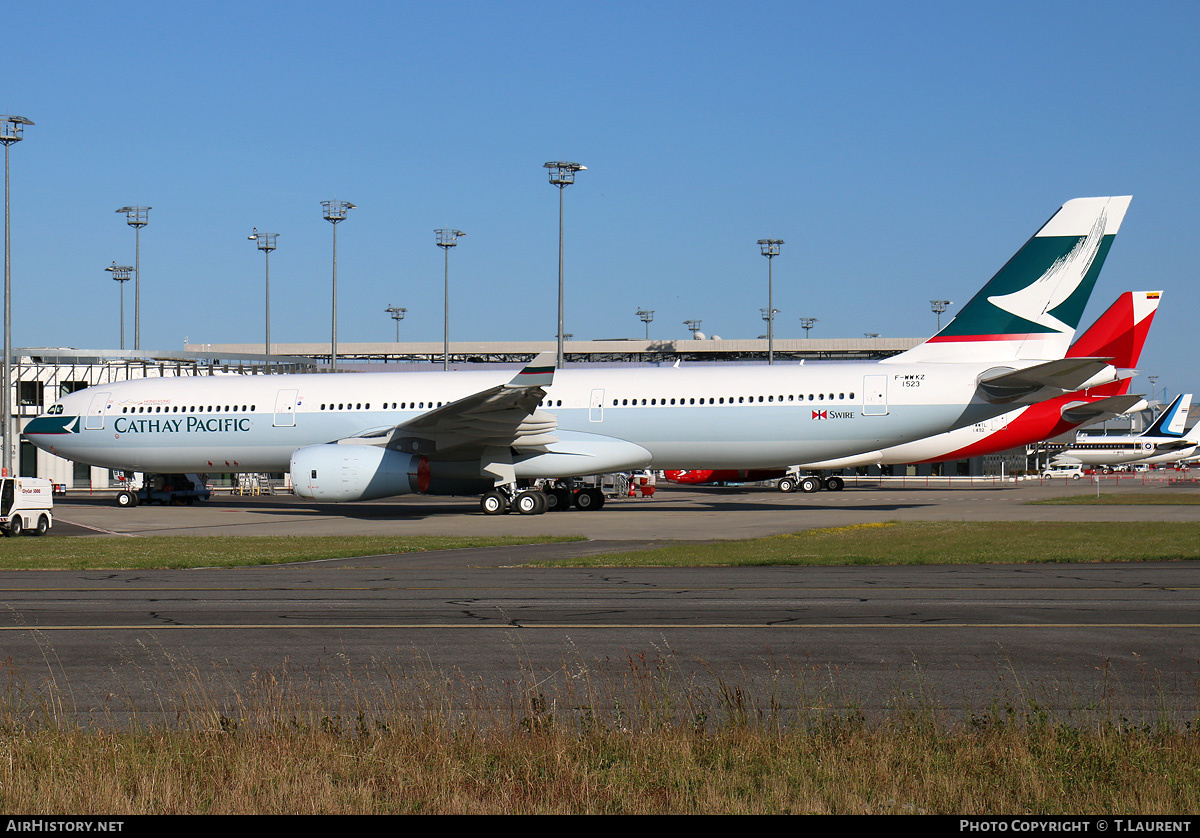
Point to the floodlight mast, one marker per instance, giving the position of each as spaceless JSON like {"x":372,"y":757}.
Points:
{"x":12,"y":130}
{"x":333,"y":212}
{"x":647,"y":315}
{"x":137,"y":218}
{"x":807,"y":323}
{"x":693,"y":326}
{"x":938,"y":307}
{"x":121,"y":273}
{"x":446,"y":239}
{"x":562,"y":175}
{"x":397,"y":315}
{"x":770,"y":249}
{"x":266,"y":243}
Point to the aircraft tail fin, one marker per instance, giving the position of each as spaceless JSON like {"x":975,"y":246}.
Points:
{"x":1120,"y":333}
{"x":1030,"y":309}
{"x":1170,"y":422}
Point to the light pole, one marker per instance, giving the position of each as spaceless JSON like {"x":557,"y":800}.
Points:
{"x":333,"y":212}
{"x":694,"y":327}
{"x":562,"y":175}
{"x":266,"y":243}
{"x":121,"y":274}
{"x":1153,"y":379}
{"x":768,"y":316}
{"x":807,"y":323}
{"x":770,"y":249}
{"x":12,"y":130}
{"x":647,"y":316}
{"x":137,"y":218}
{"x":938,"y":307}
{"x":446,"y":239}
{"x":397,"y":315}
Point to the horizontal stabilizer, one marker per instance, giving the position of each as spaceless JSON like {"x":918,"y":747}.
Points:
{"x":1066,"y":374}
{"x":1088,"y":412}
{"x":1174,"y":445}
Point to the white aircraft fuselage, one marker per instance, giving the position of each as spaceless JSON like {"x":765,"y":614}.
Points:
{"x":351,"y":436}
{"x":718,"y":417}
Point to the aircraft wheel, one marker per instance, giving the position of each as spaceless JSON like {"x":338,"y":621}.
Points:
{"x":15,"y":526}
{"x":531,"y":502}
{"x":588,"y":499}
{"x":834,"y":484}
{"x":786,"y":484}
{"x":494,"y":503}
{"x":126,"y":499}
{"x":558,"y":500}
{"x":808,"y":485}
{"x":43,"y":526}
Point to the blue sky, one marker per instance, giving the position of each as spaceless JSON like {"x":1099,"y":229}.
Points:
{"x":902,"y":151}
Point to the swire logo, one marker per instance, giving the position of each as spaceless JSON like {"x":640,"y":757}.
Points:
{"x":833,"y":414}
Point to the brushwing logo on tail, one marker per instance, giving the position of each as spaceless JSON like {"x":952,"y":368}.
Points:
{"x":1036,"y":302}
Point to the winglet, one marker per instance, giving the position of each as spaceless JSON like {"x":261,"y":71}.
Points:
{"x":537,"y":373}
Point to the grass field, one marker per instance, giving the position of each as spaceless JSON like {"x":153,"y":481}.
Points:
{"x":927,"y":542}
{"x":1126,"y":499}
{"x":646,"y":741}
{"x":151,"y":552}
{"x":887,"y":543}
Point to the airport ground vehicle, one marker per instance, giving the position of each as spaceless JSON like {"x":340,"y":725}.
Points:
{"x":166,"y":489}
{"x":25,"y":505}
{"x":1072,"y":470}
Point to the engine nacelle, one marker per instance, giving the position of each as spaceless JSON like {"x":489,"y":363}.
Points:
{"x":341,"y":473}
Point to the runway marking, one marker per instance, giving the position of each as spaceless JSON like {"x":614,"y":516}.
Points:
{"x":98,"y":529}
{"x":469,"y":589}
{"x":599,"y":626}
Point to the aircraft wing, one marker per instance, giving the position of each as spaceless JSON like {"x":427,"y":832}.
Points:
{"x":1090,"y":412}
{"x":1066,"y":374}
{"x":501,"y":417}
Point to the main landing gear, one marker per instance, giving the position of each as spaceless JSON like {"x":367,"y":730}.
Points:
{"x":810,"y":483}
{"x":505,"y":499}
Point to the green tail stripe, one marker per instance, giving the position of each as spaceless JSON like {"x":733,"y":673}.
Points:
{"x":981,"y":317}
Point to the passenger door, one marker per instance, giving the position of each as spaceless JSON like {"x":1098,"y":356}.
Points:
{"x":94,"y":421}
{"x":285,"y":408}
{"x":875,"y":395}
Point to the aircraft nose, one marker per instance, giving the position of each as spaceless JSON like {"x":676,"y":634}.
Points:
{"x":55,"y":422}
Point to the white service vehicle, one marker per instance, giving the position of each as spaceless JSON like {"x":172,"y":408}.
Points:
{"x":1072,"y":470}
{"x":26,"y":504}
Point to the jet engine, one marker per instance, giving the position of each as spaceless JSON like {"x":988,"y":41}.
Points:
{"x":349,"y":472}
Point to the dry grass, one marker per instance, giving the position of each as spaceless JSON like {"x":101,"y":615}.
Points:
{"x":641,"y":740}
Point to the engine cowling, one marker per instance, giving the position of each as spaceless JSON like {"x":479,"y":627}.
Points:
{"x":341,"y":473}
